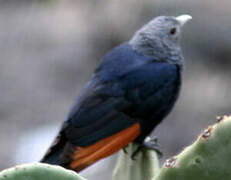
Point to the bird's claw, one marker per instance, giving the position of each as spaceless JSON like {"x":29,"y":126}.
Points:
{"x":134,"y":154}
{"x":149,"y":143}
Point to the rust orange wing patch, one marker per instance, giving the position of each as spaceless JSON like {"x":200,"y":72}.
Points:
{"x":85,"y":156}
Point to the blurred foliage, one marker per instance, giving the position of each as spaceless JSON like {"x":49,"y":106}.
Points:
{"x":48,"y":2}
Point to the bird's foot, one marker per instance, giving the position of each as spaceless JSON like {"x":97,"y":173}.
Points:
{"x":149,"y":143}
{"x":152,"y":143}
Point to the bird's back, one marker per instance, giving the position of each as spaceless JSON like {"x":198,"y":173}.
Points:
{"x":127,"y":96}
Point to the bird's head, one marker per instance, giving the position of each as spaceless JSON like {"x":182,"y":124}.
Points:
{"x":160,"y":37}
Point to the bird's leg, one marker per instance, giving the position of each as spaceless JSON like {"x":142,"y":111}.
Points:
{"x":149,"y":143}
{"x":125,"y":150}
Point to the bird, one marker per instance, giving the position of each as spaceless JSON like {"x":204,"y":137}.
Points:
{"x":134,"y":87}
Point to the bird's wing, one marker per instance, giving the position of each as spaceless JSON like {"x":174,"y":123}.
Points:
{"x":96,"y":127}
{"x":99,"y":124}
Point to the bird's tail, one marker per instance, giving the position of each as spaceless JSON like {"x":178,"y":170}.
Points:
{"x":78,"y":158}
{"x":55,"y":151}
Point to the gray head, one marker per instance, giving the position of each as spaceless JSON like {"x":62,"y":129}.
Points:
{"x":160,"y":38}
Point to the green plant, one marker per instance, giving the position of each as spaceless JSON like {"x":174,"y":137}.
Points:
{"x":144,"y":167}
{"x":38,"y":171}
{"x":209,"y":157}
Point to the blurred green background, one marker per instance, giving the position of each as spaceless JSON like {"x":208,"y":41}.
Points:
{"x":50,"y":48}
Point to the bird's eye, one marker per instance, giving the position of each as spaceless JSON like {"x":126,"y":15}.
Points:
{"x":172,"y":31}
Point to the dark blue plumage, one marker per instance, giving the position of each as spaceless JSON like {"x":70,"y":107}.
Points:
{"x":144,"y":90}
{"x":131,"y":86}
